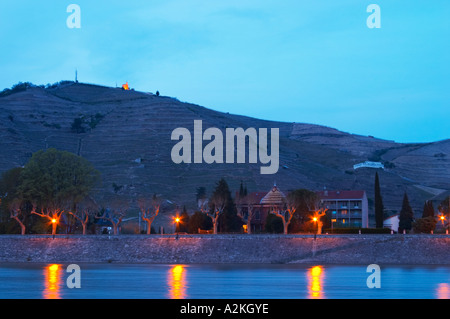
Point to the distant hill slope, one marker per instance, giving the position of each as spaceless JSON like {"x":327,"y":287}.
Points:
{"x":127,"y":137}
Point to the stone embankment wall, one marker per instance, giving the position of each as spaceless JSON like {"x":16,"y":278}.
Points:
{"x":190,"y":249}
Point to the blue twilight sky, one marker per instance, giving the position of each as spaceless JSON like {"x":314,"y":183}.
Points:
{"x":294,"y":61}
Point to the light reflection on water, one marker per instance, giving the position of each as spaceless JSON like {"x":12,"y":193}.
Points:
{"x":177,"y":282}
{"x":215,"y":281}
{"x":52,"y":281}
{"x":315,"y":279}
{"x":443,"y":291}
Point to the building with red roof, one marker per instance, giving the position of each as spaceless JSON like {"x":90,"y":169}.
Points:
{"x":345,"y":208}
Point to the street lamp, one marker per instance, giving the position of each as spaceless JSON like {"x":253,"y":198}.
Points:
{"x":177,"y":222}
{"x":53,"y":227}
{"x":442,"y":218}
{"x":316,"y":219}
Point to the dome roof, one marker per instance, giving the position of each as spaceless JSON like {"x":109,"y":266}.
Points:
{"x":274,"y":196}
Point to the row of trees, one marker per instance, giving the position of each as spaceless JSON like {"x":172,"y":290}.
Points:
{"x":293,"y":214}
{"x":407,"y":221}
{"x":428,"y":222}
{"x":51,"y":184}
{"x":54,"y":188}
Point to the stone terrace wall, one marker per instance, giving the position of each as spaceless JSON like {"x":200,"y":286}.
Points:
{"x":189,"y":249}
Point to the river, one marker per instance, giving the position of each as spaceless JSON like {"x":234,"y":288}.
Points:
{"x":222,"y":281}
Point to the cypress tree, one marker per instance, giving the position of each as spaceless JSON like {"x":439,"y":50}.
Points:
{"x":241,"y":191}
{"x":379,"y":207}
{"x":428,"y":209}
{"x":228,"y":221}
{"x":406,"y":215}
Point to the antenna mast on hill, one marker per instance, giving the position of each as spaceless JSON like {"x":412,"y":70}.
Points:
{"x":76,"y":76}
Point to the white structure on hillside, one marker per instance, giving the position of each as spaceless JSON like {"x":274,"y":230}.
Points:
{"x":369,"y":164}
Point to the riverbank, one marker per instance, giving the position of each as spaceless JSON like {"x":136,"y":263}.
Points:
{"x":198,"y":249}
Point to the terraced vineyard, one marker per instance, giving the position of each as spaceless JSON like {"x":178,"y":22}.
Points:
{"x":127,"y":136}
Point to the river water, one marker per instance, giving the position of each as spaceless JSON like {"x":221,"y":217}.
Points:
{"x":233,"y":281}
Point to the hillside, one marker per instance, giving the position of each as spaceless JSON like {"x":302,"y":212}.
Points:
{"x":127,"y":138}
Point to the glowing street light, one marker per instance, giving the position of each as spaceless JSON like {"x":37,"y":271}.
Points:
{"x":316,"y":219}
{"x":177,"y":222}
{"x":54,"y":222}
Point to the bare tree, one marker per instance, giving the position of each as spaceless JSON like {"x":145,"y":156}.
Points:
{"x":300,"y":201}
{"x":316,"y":218}
{"x":241,"y":204}
{"x":115,"y":213}
{"x":115,"y":216}
{"x":285,"y":213}
{"x":51,"y":213}
{"x":83,"y":211}
{"x":217,"y":205}
{"x":82,"y":215}
{"x":16,"y":213}
{"x":149,"y":210}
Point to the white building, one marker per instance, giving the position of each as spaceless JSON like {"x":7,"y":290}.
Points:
{"x":369,"y":164}
{"x":392,"y":222}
